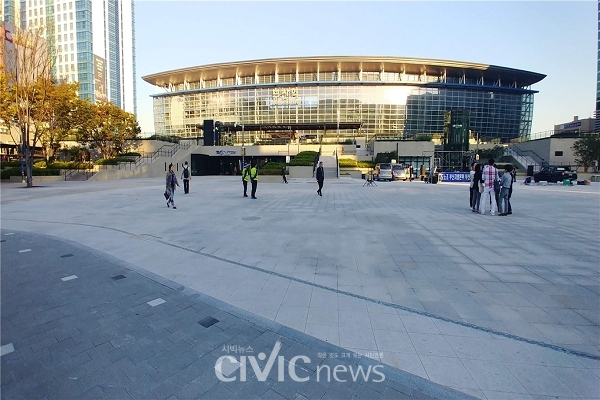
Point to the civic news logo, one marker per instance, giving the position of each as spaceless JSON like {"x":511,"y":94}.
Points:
{"x":226,"y":367}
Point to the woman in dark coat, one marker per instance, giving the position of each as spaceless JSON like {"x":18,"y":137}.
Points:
{"x":477,"y":180}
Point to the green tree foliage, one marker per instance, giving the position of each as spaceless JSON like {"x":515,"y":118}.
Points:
{"x":496,"y":152}
{"x":107,"y":128}
{"x":587,"y":151}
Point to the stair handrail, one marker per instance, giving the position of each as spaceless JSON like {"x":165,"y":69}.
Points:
{"x":162,"y":152}
{"x":538,"y":159}
{"x":67,"y":173}
{"x":519,"y":155}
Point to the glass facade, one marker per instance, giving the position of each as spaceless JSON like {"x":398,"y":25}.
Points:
{"x":85,"y":57}
{"x":114,"y":54}
{"x":385,"y":103}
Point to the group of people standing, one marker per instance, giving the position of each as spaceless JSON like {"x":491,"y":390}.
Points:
{"x":250,"y":172}
{"x":487,"y":187}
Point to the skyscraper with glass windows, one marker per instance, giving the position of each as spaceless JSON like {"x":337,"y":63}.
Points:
{"x":597,"y":115}
{"x":92,"y":42}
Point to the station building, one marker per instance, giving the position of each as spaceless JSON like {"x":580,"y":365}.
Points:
{"x":339,"y":99}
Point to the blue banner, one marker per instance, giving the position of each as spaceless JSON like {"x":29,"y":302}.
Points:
{"x":455,"y":177}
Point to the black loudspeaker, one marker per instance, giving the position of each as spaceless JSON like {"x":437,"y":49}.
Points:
{"x":530,"y":170}
{"x":208,"y":131}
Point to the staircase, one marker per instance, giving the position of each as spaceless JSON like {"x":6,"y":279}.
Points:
{"x":525,"y":158}
{"x":78,"y":174}
{"x":330,"y":166}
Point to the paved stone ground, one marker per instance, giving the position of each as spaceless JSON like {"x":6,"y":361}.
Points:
{"x":499,"y":307}
{"x":77,"y":324}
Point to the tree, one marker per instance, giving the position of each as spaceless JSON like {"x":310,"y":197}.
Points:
{"x":587,"y":151}
{"x":496,"y":152}
{"x":107,"y":128}
{"x":28,"y":67}
{"x":57,"y":117}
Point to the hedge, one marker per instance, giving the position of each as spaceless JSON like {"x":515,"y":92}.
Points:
{"x":273,"y":165}
{"x":350,"y":163}
{"x":8,"y":172}
{"x":63,"y":165}
{"x":347,"y":163}
{"x":130,"y":154}
{"x":9,"y":164}
{"x":304,"y":159}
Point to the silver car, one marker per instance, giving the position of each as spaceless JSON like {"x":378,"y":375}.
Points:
{"x":399,"y":172}
{"x":384,"y":172}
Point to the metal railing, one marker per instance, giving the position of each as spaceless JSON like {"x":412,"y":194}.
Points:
{"x":69,"y":174}
{"x":164,"y":151}
{"x":526,"y":157}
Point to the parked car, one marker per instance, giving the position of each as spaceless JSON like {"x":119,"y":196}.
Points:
{"x":399,"y":172}
{"x":554,"y":173}
{"x":384,"y":172}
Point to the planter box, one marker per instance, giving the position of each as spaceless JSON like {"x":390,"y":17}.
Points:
{"x":301,"y":172}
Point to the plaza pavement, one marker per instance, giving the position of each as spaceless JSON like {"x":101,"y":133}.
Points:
{"x":497,"y":307}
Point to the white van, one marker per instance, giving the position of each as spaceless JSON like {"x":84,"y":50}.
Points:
{"x":384,"y":172}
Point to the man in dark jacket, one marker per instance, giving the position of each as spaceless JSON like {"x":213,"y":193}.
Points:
{"x":320,"y":177}
{"x":283,"y":174}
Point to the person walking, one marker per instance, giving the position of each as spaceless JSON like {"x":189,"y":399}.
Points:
{"x":472,"y":187}
{"x":283,"y":174}
{"x":171,"y":182}
{"x":477,"y":188}
{"x":410,"y":173}
{"x":320,"y":178}
{"x":186,"y":176}
{"x":254,"y":180}
{"x":245,"y":178}
{"x":490,"y":175}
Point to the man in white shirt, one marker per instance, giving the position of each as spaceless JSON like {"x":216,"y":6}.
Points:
{"x":490,"y":175}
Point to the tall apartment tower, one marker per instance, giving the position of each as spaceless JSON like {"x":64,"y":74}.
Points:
{"x":597,"y":114}
{"x":92,"y":42}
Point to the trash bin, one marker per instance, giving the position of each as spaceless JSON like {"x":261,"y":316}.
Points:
{"x":567,"y":182}
{"x":434,"y":178}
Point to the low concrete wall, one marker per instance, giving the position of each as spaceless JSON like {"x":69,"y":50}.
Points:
{"x":268,"y":179}
{"x":301,"y":172}
{"x":39,"y":179}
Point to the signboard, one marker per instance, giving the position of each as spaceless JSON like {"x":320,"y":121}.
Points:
{"x":285,"y":96}
{"x":571,"y":125}
{"x":455,"y":177}
{"x":99,"y":79}
{"x":225,"y":152}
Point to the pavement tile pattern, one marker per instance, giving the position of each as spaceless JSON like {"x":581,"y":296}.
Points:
{"x":97,"y":337}
{"x":497,"y":307}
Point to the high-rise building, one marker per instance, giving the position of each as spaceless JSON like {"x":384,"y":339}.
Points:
{"x":597,"y":115}
{"x":91,"y":42}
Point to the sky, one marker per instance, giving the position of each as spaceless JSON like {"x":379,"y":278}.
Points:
{"x":558,"y":39}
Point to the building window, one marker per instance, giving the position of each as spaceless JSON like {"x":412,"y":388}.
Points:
{"x":558,"y":153}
